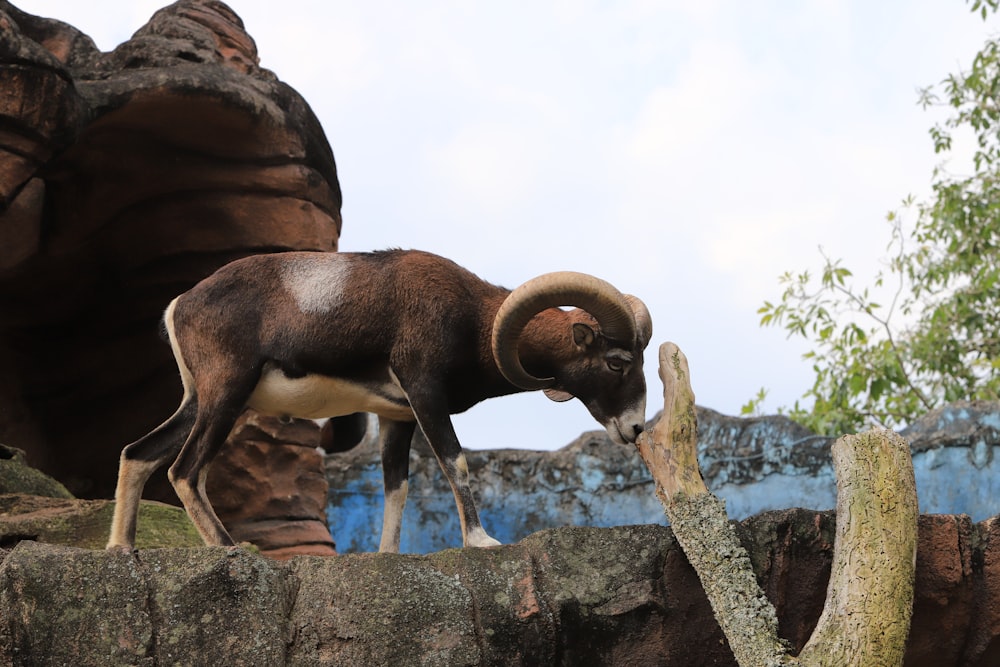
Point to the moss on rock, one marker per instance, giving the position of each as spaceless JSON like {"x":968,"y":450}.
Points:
{"x":16,"y":476}
{"x":86,"y":523}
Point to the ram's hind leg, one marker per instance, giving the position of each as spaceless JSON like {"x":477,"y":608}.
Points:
{"x":218,"y":409}
{"x":394,"y":438}
{"x":140,"y":460}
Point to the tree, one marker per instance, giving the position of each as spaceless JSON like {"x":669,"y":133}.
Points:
{"x":938,"y":339}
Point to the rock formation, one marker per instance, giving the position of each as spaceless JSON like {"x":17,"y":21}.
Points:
{"x":569,"y":596}
{"x":125,"y":177}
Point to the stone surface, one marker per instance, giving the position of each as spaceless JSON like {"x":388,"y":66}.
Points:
{"x":569,"y":596}
{"x":86,"y":523}
{"x":178,"y":606}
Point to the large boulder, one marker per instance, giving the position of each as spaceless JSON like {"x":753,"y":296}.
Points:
{"x":126,"y":177}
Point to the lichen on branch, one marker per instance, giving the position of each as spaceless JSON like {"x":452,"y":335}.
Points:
{"x":701,"y":525}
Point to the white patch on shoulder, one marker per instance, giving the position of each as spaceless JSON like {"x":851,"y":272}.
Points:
{"x":316,"y":283}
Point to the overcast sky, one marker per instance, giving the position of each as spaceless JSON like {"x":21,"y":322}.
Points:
{"x":688,"y":152}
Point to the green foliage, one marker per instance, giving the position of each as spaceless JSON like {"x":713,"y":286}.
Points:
{"x":938,"y":339}
{"x":755,"y":406}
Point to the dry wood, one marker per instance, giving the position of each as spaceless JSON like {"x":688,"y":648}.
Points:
{"x":701,"y":525}
{"x":869,"y":601}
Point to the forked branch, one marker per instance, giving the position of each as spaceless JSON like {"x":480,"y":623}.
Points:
{"x":869,"y":602}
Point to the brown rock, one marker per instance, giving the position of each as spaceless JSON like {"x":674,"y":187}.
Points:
{"x":793,"y":552}
{"x":126,"y":177}
{"x":268,"y":487}
{"x":983,"y":643}
{"x":943,"y":599}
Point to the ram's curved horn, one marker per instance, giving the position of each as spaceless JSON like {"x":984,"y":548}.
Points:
{"x":607,"y":305}
{"x":643,"y":320}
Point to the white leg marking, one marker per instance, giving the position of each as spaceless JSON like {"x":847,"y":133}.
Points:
{"x":392,"y":519}
{"x":132,"y":476}
{"x":473,"y":535}
{"x":477,"y":537}
{"x":187,"y":379}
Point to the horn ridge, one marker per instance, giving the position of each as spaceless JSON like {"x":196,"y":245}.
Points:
{"x":602,"y":300}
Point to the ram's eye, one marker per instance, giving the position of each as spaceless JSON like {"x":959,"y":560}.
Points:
{"x":617,"y":365}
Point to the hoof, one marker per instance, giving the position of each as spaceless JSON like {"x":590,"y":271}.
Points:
{"x":484,"y":541}
{"x":121,"y":549}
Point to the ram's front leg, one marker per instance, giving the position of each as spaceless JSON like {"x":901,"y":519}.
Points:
{"x":440,"y":434}
{"x":456,"y":469}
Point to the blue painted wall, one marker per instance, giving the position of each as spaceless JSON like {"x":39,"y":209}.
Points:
{"x":754,"y":464}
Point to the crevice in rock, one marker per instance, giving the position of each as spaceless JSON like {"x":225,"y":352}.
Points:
{"x":152,"y":609}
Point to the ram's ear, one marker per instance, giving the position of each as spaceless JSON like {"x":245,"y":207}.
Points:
{"x":582,"y":335}
{"x":557,"y":395}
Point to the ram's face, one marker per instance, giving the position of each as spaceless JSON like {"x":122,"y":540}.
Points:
{"x":608,"y":379}
{"x":592,"y":352}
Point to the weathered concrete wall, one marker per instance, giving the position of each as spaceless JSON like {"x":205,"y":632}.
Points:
{"x":590,"y":483}
{"x":755,"y":464}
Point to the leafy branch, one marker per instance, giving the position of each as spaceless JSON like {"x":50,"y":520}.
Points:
{"x":937,"y":341}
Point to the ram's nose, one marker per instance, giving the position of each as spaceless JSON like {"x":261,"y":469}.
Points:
{"x":630,"y":431}
{"x":623,"y":432}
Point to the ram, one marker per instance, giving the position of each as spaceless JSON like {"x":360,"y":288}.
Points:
{"x":406,"y":335}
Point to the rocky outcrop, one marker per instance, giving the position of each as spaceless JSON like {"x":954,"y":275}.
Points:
{"x":85,"y":523}
{"x":270,"y":487}
{"x":755,"y":464}
{"x":16,"y":476}
{"x":571,"y":596}
{"x":125,"y":177}
{"x":33,"y":506}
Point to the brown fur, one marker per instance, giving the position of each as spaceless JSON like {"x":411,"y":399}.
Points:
{"x":405,"y":334}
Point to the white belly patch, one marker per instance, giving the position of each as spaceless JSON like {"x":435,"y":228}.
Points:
{"x":319,"y":396}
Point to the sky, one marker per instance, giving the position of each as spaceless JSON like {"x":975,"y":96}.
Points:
{"x":687,"y":152}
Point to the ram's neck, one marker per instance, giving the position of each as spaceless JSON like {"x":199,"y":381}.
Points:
{"x":546,"y":343}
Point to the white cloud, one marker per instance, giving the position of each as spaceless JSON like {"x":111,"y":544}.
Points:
{"x":495,"y":166}
{"x":689,"y":151}
{"x":332,"y":57}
